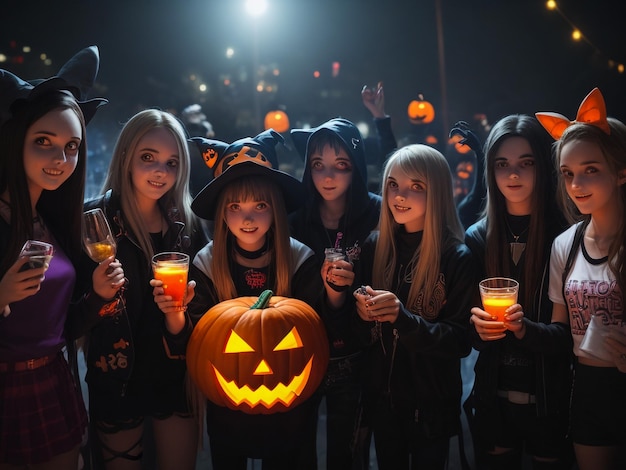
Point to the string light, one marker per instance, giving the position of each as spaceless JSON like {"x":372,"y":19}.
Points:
{"x":577,"y":35}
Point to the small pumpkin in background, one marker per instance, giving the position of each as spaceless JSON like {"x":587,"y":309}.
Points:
{"x":464,"y":170}
{"x":421,"y":111}
{"x":461,"y":148}
{"x":277,"y":120}
{"x":259,"y":355}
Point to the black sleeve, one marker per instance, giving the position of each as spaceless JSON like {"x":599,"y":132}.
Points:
{"x":446,"y":334}
{"x":205,"y":295}
{"x":307,"y":284}
{"x":386,"y":140}
{"x":553,"y":338}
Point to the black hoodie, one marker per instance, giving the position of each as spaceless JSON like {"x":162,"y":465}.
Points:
{"x":361,"y":217}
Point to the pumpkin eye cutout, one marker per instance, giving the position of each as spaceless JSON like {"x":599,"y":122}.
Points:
{"x":291,"y":340}
{"x":236,"y":344}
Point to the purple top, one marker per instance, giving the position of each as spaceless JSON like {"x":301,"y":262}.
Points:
{"x":35,"y":326}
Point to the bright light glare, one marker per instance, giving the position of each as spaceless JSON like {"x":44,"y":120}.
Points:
{"x":551,"y":5}
{"x":256,"y":7}
{"x":230,"y":52}
{"x":364,"y":129}
{"x":577,"y":35}
{"x":3,"y":58}
{"x":202,"y":87}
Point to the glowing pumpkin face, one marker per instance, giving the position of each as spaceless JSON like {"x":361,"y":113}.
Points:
{"x":421,"y":111}
{"x":258,"y":355}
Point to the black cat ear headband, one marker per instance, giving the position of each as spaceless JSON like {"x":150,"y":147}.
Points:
{"x":77,"y":76}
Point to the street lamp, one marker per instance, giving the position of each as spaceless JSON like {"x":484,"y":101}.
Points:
{"x":256,"y":7}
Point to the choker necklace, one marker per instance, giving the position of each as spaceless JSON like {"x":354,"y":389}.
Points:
{"x":256,"y":254}
{"x":517,"y":248}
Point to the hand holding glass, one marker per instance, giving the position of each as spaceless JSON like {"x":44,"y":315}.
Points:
{"x":498,"y":294}
{"x":171,"y":268}
{"x":39,"y":254}
{"x":97,"y":237}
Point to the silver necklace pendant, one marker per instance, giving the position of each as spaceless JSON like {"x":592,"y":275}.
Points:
{"x":516,"y":250}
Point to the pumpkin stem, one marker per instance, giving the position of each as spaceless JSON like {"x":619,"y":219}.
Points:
{"x":263,"y":300}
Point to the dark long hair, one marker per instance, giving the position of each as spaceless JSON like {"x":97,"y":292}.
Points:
{"x":61,"y":210}
{"x":316,"y":145}
{"x":546,"y":220}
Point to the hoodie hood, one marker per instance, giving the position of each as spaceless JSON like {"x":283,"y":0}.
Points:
{"x":353,"y":142}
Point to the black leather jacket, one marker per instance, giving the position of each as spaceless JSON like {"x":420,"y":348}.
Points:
{"x":133,"y":344}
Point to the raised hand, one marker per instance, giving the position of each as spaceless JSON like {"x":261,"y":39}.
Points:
{"x":374,"y":100}
{"x":470,"y":207}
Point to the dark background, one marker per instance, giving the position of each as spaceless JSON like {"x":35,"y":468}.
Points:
{"x":499,"y":58}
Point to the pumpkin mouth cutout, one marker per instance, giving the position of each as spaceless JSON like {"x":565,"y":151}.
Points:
{"x":263,"y":395}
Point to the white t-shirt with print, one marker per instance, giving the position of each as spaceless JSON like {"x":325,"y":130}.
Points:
{"x":590,"y":289}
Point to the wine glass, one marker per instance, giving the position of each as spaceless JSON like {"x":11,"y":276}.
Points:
{"x":97,"y":237}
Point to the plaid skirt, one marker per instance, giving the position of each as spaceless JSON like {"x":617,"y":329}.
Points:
{"x":42,"y":414}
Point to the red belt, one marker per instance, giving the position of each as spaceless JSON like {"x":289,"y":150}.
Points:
{"x":30,"y":364}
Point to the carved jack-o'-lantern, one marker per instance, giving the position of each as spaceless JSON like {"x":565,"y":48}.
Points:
{"x":277,"y":120}
{"x":258,"y":355}
{"x":421,"y":111}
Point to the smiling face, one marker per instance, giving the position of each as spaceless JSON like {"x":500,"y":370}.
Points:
{"x":331,"y":173}
{"x":258,"y":359}
{"x":514,"y":173}
{"x":249,"y":221}
{"x":51,"y":150}
{"x":154,"y":165}
{"x":406,"y":199}
{"x":589,"y":181}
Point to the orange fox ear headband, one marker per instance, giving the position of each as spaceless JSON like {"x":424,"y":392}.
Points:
{"x":591,"y":111}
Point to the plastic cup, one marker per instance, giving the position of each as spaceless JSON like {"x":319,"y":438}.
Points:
{"x":331,"y":255}
{"x":334,"y":254}
{"x":172,"y":268}
{"x":498,"y":294}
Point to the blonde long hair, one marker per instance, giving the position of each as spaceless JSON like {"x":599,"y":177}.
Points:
{"x":251,"y":188}
{"x":441,"y":228}
{"x":119,"y":178}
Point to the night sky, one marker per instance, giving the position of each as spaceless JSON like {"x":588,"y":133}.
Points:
{"x":500,"y":57}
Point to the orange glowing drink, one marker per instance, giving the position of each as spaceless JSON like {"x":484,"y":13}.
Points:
{"x":498,"y":294}
{"x":171,"y":268}
{"x":99,"y":251}
{"x":496,"y":306}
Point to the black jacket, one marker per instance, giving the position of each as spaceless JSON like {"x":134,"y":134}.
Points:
{"x":361,"y":217}
{"x":550,"y":344}
{"x":414,"y":364}
{"x":134,"y":345}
